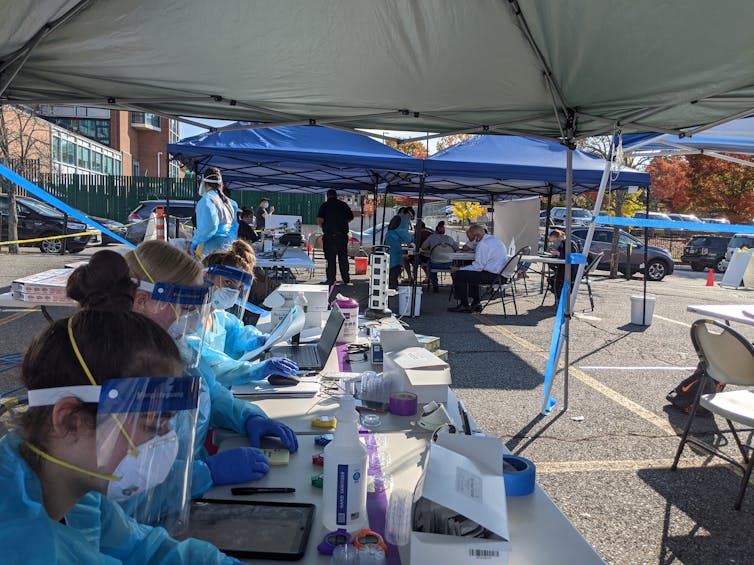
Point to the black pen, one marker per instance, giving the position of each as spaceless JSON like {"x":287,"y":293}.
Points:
{"x":241,"y":491}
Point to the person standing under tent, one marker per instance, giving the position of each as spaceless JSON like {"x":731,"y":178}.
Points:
{"x":263,"y":211}
{"x":395,"y":239}
{"x":216,"y":216}
{"x":333,"y":217}
{"x":490,"y":256}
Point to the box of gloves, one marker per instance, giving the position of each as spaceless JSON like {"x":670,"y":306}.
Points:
{"x":459,"y":511}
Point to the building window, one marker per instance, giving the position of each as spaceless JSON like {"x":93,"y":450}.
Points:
{"x":136,"y":168}
{"x":55,"y":148}
{"x":96,"y":130}
{"x":175,"y":132}
{"x":83,"y":157}
{"x":145,"y":120}
{"x":96,"y":162}
{"x":108,"y":165}
{"x":68,"y":151}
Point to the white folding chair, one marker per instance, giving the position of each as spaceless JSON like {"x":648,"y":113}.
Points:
{"x":439,"y":253}
{"x":727,"y":357}
{"x":503,"y":284}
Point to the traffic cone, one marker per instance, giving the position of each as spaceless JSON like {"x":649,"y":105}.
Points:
{"x":710,"y":278}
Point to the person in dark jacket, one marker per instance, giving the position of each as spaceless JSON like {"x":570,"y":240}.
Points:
{"x":245,"y":225}
{"x":333,"y":217}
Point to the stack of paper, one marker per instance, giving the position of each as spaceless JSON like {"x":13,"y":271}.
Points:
{"x":48,"y":286}
{"x":305,"y":389}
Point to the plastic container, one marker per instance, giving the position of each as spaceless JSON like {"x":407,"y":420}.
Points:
{"x":360,"y":265}
{"x":344,"y":488}
{"x":303,"y":305}
{"x":350,"y":310}
{"x":636,"y":310}
{"x":404,"y":301}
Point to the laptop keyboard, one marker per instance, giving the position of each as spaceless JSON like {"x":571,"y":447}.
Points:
{"x":304,"y":356}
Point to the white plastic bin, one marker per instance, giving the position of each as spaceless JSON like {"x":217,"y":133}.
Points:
{"x":404,"y":301}
{"x":636,"y":310}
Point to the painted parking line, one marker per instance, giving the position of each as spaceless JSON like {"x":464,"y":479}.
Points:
{"x":626,"y":465}
{"x":664,"y":319}
{"x":16,"y":316}
{"x":580,"y":375}
{"x":660,"y":368}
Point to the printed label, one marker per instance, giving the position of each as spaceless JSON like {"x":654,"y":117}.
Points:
{"x":341,"y":504}
{"x":483,"y":553}
{"x":468,"y":484}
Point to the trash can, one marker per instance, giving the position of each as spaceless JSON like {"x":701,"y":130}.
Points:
{"x":360,"y":265}
{"x":404,"y":301}
{"x":636,"y":310}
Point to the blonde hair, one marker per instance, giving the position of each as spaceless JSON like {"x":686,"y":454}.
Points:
{"x":158,"y":261}
{"x":240,"y":255}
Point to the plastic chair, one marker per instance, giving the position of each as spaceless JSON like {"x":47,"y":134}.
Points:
{"x":728,"y":357}
{"x":591,"y":266}
{"x":523,"y":268}
{"x":504,"y":283}
{"x":439,"y":253}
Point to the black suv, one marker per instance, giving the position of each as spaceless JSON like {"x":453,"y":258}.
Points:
{"x":37,"y":219}
{"x":706,"y":252}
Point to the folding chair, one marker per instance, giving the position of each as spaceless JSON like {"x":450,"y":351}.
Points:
{"x":439,"y":253}
{"x":727,"y":357}
{"x":504,"y":283}
{"x":591,"y":266}
{"x":523,"y":268}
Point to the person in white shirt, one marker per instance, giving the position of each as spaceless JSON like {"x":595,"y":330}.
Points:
{"x":490,"y":256}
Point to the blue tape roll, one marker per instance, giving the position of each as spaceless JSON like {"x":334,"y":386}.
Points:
{"x":519,"y":475}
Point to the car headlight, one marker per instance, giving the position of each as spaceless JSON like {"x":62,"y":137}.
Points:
{"x":76,"y":227}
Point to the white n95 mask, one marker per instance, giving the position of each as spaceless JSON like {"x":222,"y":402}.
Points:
{"x":224,"y":298}
{"x":139,"y":473}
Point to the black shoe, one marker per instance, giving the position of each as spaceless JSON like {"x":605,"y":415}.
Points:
{"x":476,"y":307}
{"x":460,"y":307}
{"x":435,"y":289}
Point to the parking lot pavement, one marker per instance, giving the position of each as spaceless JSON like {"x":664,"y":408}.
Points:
{"x":605,"y":461}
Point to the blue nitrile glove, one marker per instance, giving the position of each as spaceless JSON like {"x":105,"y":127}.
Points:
{"x":238,"y":465}
{"x":258,"y":426}
{"x":278,"y":366}
{"x":192,"y":249}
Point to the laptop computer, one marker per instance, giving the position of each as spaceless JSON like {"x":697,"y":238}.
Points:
{"x":313,"y":356}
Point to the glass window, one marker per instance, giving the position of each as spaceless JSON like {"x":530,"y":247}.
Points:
{"x":108,"y":165}
{"x":96,"y":162}
{"x":83,"y":157}
{"x":68,"y":151}
{"x":55,"y":148}
{"x":136,"y":170}
{"x":116,"y":168}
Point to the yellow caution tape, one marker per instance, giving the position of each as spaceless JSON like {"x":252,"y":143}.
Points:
{"x":35,"y":240}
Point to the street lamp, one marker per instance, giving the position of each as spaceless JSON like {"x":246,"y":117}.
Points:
{"x":159,"y":158}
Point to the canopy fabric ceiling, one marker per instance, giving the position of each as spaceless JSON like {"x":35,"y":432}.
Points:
{"x":733,"y":137}
{"x":312,"y":158}
{"x":522,"y":67}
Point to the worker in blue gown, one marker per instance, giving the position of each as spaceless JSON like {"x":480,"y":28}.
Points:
{"x":216,"y":216}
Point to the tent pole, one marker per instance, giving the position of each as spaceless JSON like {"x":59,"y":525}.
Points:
{"x":361,"y":202}
{"x":417,"y":238}
{"x":646,"y":253}
{"x":384,"y":209}
{"x":492,"y":212}
{"x":567,"y":309}
{"x":547,"y":216}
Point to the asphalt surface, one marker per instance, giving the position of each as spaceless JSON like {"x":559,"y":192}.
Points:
{"x":605,"y":460}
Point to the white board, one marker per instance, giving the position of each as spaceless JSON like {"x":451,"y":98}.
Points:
{"x":737,"y":267}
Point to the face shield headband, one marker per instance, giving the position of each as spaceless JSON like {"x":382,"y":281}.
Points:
{"x":231,"y":288}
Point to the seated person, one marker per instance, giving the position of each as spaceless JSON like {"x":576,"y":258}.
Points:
{"x":246,"y":229}
{"x":556,"y":247}
{"x":394,"y":239}
{"x":437,"y":240}
{"x":226,"y":337}
{"x":490,"y":257}
{"x":62,"y":469}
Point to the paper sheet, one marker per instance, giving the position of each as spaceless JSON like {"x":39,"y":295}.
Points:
{"x":306,"y":388}
{"x":289,"y":326}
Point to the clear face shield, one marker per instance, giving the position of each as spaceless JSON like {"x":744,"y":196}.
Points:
{"x":230,"y":290}
{"x":145,"y":434}
{"x":184,"y":310}
{"x":210,"y":182}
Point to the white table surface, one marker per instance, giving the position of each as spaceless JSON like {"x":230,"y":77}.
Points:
{"x":540,"y":532}
{"x":293,"y":258}
{"x":728,"y":312}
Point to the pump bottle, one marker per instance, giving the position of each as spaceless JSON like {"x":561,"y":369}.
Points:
{"x":345,"y":477}
{"x":302,"y":304}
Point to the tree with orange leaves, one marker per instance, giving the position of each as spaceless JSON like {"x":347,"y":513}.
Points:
{"x":671,"y":183}
{"x":414,"y":148}
{"x":720,"y":187}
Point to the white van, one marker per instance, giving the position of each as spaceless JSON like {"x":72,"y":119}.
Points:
{"x":737,"y":242}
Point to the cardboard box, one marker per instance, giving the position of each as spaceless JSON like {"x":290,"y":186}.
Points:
{"x":316,"y":298}
{"x":411,"y":368}
{"x":465,"y":475}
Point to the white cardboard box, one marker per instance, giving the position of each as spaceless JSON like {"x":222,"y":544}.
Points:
{"x":411,"y":368}
{"x":316,"y":298}
{"x":465,"y":474}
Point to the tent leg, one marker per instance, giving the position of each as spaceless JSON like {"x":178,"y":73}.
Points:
{"x":417,"y":237}
{"x":646,"y":252}
{"x":567,"y":311}
{"x":384,"y":209}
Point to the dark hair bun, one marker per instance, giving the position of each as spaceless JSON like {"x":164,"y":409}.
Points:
{"x":104,"y":284}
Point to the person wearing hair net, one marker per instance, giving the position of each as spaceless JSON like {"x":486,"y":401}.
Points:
{"x":226,"y":337}
{"x":216,"y":216}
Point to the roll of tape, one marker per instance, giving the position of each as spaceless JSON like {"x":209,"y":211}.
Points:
{"x":519,"y":475}
{"x":403,"y":403}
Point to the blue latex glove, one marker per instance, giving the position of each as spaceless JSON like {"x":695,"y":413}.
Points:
{"x":238,"y":465}
{"x":192,"y":249}
{"x":258,"y":426}
{"x":277,"y":366}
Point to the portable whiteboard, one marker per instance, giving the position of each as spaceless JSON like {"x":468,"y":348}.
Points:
{"x":739,"y":263}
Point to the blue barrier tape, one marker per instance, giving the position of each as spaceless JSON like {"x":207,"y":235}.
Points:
{"x":548,"y":402}
{"x":45,"y":196}
{"x":519,"y":475}
{"x":672,"y":225}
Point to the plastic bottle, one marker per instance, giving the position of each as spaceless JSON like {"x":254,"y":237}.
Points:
{"x":345,"y":473}
{"x":302,"y":304}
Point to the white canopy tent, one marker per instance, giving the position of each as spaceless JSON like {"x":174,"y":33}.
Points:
{"x":559,"y":70}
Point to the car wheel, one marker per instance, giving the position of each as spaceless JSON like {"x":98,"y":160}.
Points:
{"x":719,"y":265}
{"x":656,"y":270}
{"x":51,"y":246}
{"x":696,"y":267}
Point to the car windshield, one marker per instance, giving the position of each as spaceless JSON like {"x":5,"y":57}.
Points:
{"x":41,"y":207}
{"x":741,"y":241}
{"x":631,"y":239}
{"x":576,"y":213}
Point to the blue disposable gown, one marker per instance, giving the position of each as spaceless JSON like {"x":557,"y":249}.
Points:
{"x":394,"y":239}
{"x":225,"y":343}
{"x":96,"y":531}
{"x":212,"y":234}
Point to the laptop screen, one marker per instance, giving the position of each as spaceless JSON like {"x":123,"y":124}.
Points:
{"x":330,"y":333}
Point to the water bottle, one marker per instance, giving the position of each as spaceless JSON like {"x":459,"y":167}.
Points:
{"x":302,"y":304}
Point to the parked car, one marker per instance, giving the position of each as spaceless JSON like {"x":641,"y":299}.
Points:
{"x":736,"y":242}
{"x":112,"y":225}
{"x":178,"y":208}
{"x":363,"y":241}
{"x":136,"y":231}
{"x":716,"y":220}
{"x":542,"y":218}
{"x":651,"y":232}
{"x":706,"y":252}
{"x":659,"y":261}
{"x":37,"y":219}
{"x":683,"y":218}
{"x":579,"y":216}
